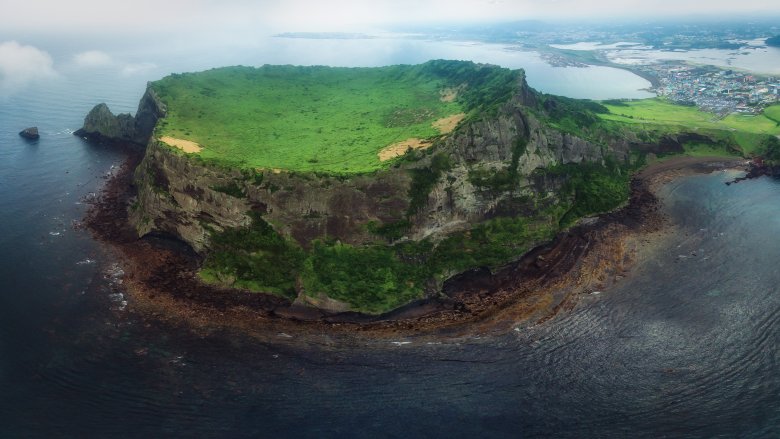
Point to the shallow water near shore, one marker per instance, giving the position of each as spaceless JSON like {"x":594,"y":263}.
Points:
{"x":686,"y":346}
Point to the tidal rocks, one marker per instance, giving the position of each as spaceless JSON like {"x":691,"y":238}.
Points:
{"x":30,"y":133}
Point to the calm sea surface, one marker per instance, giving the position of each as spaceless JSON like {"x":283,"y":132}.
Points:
{"x":754,"y":57}
{"x":686,"y":347}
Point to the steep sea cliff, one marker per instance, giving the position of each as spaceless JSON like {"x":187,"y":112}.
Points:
{"x":498,"y":165}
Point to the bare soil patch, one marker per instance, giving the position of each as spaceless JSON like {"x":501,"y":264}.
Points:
{"x":448,"y":94}
{"x":400,"y":148}
{"x":187,"y":146}
{"x":445,"y":125}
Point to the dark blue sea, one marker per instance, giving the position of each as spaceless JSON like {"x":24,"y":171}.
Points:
{"x":688,"y":345}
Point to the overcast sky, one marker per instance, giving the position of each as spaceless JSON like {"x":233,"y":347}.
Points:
{"x":40,"y":39}
{"x":307,"y":15}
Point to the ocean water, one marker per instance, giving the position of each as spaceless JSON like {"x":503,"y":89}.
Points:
{"x":685,"y":347}
{"x":755,"y":57}
{"x":760,"y":60}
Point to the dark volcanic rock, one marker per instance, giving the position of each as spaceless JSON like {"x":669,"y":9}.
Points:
{"x":30,"y":133}
{"x":102,"y":125}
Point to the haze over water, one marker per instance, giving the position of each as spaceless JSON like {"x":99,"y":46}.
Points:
{"x":686,"y":347}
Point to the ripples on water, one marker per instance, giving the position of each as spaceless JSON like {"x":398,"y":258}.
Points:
{"x":687,"y":347}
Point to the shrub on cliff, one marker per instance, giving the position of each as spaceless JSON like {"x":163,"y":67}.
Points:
{"x":770,"y":149}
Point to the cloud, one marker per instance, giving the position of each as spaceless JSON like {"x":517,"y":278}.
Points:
{"x":97,"y":58}
{"x":92,"y":58}
{"x":20,"y":65}
{"x":205,"y":20}
{"x":338,"y":14}
{"x":135,"y":68}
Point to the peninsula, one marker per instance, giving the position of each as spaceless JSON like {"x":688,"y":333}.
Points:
{"x":365,"y":190}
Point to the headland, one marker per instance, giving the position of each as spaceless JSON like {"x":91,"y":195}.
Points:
{"x":494,"y":215}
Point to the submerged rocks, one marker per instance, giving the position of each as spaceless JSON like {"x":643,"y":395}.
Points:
{"x":30,"y":133}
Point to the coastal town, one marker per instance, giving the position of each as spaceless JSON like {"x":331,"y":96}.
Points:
{"x":712,"y":89}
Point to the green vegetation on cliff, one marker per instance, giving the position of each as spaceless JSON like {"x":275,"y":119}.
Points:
{"x":254,"y":257}
{"x":322,"y":118}
{"x":378,"y":277}
{"x":770,"y":150}
{"x":593,"y":188}
{"x":373,"y":278}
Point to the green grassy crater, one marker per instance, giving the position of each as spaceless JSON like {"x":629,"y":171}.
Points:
{"x":318,"y":118}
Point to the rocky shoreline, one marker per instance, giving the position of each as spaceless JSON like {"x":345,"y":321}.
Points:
{"x":161,"y":274}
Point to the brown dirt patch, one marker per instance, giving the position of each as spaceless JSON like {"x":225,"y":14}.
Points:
{"x":448,"y":94}
{"x":445,"y":125}
{"x":187,"y":146}
{"x":400,"y":148}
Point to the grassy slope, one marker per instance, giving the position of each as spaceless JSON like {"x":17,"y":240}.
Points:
{"x":302,"y":118}
{"x":747,"y":130}
{"x":773,"y":113}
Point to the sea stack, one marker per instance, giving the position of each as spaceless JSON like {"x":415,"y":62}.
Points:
{"x":30,"y":133}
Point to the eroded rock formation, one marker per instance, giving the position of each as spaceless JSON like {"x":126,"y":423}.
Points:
{"x":102,"y":125}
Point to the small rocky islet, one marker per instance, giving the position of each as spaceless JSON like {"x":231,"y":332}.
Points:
{"x":30,"y":133}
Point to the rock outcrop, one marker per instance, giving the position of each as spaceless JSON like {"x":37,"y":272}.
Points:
{"x":186,"y":198}
{"x":30,"y":133}
{"x":102,"y":125}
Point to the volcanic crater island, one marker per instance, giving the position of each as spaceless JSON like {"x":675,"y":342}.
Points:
{"x":404,"y":195}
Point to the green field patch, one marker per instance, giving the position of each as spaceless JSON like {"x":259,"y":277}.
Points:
{"x":706,"y":150}
{"x":318,"y":118}
{"x":747,"y":130}
{"x":773,"y":113}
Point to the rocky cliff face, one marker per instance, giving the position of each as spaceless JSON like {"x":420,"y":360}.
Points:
{"x":487,"y":146}
{"x":186,"y":198}
{"x":102,"y":125}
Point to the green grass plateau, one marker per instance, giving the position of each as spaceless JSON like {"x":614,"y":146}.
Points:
{"x":314,"y":118}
